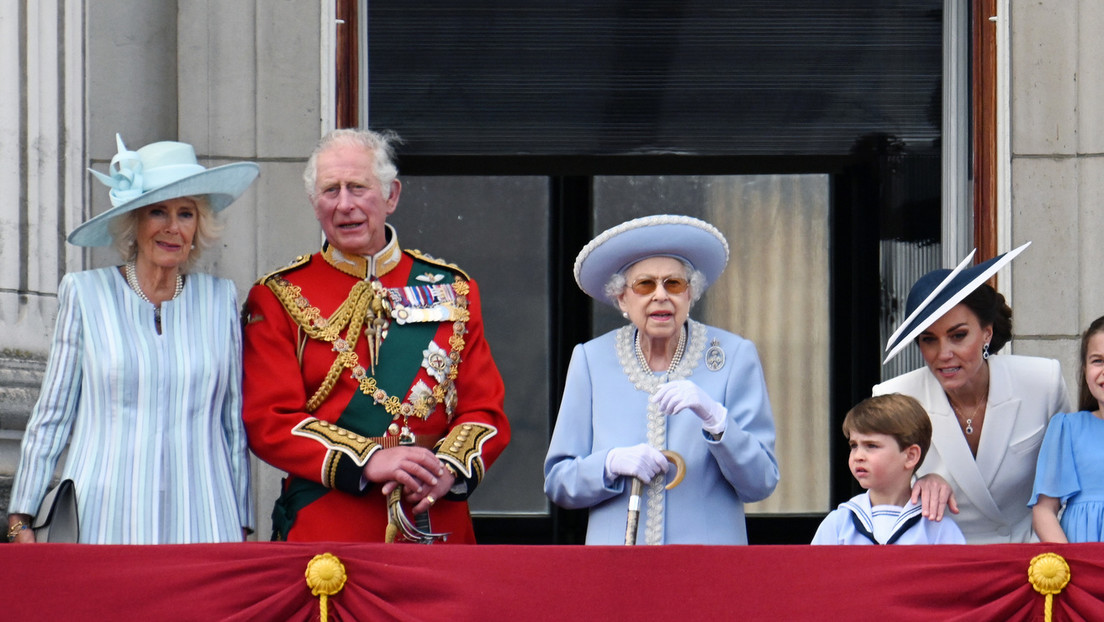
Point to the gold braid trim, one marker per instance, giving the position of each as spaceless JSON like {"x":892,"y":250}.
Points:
{"x":300,"y":260}
{"x":368,"y":300}
{"x":310,"y":318}
{"x":463,"y":448}
{"x":351,"y":314}
{"x":329,"y":468}
{"x":430,"y":259}
{"x":336,"y":439}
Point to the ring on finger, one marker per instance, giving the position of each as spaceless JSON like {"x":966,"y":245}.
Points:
{"x":431,"y":499}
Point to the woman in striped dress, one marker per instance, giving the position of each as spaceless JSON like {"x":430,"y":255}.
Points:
{"x":144,"y":373}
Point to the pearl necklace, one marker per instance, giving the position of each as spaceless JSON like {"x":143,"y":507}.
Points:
{"x":132,"y":281}
{"x":674,"y":360}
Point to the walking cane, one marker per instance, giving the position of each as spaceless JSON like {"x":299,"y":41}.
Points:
{"x":638,"y":485}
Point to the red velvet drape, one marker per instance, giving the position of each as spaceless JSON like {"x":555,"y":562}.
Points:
{"x":265,"y":581}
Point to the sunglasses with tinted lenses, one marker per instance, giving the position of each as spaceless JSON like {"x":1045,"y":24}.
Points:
{"x":647,"y":285}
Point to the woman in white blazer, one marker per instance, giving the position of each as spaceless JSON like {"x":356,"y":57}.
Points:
{"x":989,"y":413}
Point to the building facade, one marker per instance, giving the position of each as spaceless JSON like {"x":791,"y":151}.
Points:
{"x":255,"y":81}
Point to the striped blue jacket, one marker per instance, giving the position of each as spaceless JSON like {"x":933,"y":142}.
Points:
{"x":158,"y":451}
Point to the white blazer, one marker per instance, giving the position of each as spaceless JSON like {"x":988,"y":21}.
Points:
{"x":993,"y":490}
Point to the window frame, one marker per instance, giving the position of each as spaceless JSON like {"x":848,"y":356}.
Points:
{"x":969,"y":204}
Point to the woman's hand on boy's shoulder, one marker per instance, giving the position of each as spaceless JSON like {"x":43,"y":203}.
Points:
{"x":935,"y":495}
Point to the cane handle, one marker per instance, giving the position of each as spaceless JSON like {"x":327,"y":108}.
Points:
{"x":680,"y":467}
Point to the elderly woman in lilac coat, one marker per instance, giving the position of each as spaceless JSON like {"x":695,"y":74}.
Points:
{"x":662,"y":382}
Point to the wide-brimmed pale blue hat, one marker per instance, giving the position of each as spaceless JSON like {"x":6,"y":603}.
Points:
{"x":664,"y":235}
{"x":158,"y":172}
{"x":938,"y":291}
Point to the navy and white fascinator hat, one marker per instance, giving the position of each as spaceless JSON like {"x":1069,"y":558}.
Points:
{"x":665,"y":235}
{"x":158,"y":172}
{"x":938,"y":291}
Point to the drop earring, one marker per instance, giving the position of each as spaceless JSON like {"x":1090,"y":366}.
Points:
{"x":985,"y":352}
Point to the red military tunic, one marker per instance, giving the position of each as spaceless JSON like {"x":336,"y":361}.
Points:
{"x":318,"y":408}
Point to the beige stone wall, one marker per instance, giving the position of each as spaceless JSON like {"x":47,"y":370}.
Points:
{"x":41,"y":168}
{"x":239,"y":80}
{"x":1057,"y":174}
{"x":249,"y":89}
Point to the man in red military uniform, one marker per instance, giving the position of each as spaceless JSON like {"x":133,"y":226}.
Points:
{"x":366,"y":369}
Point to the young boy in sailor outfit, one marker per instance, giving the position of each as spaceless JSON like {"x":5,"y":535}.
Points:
{"x":889,"y":437}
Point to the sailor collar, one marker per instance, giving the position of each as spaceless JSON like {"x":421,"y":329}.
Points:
{"x":365,"y":267}
{"x":862,"y":516}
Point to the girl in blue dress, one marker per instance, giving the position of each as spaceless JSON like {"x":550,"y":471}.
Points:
{"x":1070,"y":471}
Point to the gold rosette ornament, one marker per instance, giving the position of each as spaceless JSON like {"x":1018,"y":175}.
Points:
{"x":325,"y":577}
{"x":1048,"y":573}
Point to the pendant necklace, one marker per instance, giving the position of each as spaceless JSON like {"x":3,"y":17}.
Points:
{"x":970,"y":419}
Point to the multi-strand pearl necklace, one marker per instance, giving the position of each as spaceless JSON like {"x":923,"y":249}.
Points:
{"x":640,"y":358}
{"x":132,"y":280}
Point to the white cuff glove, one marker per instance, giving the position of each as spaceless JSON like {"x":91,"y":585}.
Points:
{"x":682,"y":394}
{"x":640,"y":461}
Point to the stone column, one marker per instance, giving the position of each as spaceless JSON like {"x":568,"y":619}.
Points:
{"x":248,"y":82}
{"x":41,"y":190}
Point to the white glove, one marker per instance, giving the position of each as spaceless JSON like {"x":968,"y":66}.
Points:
{"x":640,"y":461}
{"x":682,"y":394}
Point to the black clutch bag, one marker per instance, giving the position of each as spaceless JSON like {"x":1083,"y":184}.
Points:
{"x":56,"y":520}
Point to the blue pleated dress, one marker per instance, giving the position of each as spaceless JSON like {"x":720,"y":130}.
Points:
{"x":1071,"y":469}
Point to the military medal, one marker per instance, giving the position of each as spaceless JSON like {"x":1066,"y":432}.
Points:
{"x":376,"y":321}
{"x":424,"y":303}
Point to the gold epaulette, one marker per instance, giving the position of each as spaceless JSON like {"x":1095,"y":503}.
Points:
{"x":417,"y":254}
{"x":299,"y":261}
